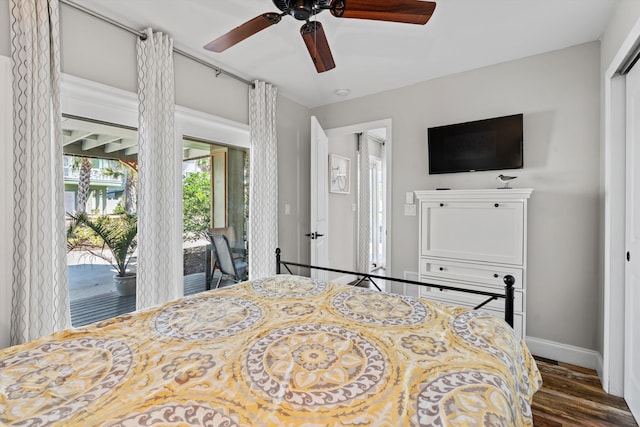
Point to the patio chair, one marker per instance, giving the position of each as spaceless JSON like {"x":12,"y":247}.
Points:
{"x":232,"y":267}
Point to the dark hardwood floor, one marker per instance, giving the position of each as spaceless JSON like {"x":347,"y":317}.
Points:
{"x":85,"y":311}
{"x":572,"y":396}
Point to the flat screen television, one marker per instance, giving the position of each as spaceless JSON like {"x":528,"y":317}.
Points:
{"x":490,"y":144}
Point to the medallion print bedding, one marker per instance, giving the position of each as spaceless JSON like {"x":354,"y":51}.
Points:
{"x":280,"y":351}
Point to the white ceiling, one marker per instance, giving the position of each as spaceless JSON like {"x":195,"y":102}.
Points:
{"x":370,"y":56}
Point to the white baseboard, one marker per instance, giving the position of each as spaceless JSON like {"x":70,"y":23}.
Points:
{"x":598,"y":368}
{"x":565,"y":353}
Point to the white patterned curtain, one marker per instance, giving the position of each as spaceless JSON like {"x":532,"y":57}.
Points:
{"x":263,"y":192}
{"x":40,"y":297}
{"x":159,"y":244}
{"x":364,"y":204}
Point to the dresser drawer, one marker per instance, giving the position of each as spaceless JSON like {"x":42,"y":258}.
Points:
{"x":471,"y":273}
{"x":468,"y":299}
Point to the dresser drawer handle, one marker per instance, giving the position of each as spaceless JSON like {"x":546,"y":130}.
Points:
{"x":441,"y":268}
{"x":441,"y":205}
{"x":496,"y":275}
{"x":497,"y":205}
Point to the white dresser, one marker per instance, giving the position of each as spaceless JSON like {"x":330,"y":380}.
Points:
{"x":472,"y":239}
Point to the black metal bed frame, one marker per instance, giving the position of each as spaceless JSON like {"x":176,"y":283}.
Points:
{"x":508,"y":295}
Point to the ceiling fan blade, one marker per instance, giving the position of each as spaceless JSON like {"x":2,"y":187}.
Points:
{"x":243,"y":31}
{"x":318,"y":46}
{"x":405,"y":11}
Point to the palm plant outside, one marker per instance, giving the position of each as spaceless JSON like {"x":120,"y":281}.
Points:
{"x":117,"y":234}
{"x":84,"y":181}
{"x":130,"y":184}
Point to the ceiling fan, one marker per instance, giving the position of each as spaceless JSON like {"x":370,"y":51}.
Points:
{"x":404,"y":11}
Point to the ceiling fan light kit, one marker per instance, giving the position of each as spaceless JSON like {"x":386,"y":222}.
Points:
{"x":402,"y":11}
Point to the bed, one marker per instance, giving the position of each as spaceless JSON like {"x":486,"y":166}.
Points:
{"x":284,"y":350}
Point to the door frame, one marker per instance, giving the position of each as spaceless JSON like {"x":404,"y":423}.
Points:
{"x":613,"y":229}
{"x":363,"y":127}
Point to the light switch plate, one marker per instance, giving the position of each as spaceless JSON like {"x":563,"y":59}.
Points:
{"x":410,"y":210}
{"x":408,"y":197}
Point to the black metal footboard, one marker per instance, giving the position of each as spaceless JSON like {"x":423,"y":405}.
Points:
{"x":508,"y":295}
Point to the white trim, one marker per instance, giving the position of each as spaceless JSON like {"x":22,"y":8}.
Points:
{"x":388,"y":160}
{"x":564,"y":353}
{"x":475,"y":195}
{"x":212,"y":128}
{"x":612,"y":377}
{"x":88,"y":99}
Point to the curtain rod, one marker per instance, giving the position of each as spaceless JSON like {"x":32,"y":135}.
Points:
{"x":143,"y":36}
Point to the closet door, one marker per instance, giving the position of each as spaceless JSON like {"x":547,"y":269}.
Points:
{"x":632,"y":273}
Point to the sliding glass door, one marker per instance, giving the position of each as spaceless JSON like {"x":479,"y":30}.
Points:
{"x":215,"y":199}
{"x":100,"y":182}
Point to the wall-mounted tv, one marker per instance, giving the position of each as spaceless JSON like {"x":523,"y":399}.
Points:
{"x":490,"y":144}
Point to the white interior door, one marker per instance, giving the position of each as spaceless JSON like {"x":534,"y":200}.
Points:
{"x":319,"y":200}
{"x":632,"y":273}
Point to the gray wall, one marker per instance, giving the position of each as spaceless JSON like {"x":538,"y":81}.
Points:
{"x":5,"y":47}
{"x":343,"y":221}
{"x":558,"y":93}
{"x":294,"y":133}
{"x":624,"y":17}
{"x":98,"y":51}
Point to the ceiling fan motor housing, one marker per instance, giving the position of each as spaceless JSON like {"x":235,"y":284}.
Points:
{"x":302,"y":10}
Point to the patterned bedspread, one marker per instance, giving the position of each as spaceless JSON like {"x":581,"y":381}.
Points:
{"x":281,"y":351}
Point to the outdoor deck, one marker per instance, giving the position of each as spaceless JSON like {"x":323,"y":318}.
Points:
{"x":85,"y":311}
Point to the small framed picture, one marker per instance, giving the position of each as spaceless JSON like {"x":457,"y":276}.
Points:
{"x":339,"y":173}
